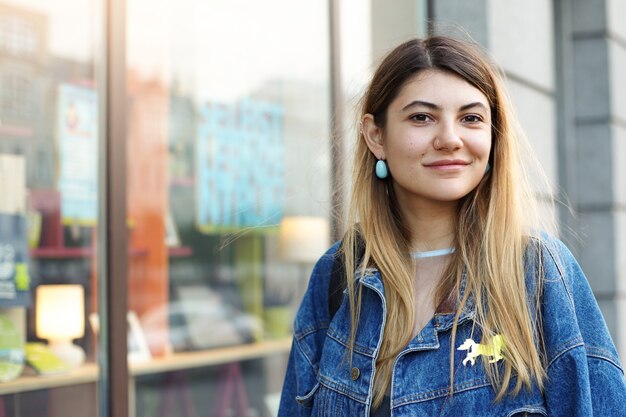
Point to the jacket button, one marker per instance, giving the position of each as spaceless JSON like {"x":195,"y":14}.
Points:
{"x":355,"y":373}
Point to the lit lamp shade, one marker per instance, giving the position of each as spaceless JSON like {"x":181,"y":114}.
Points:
{"x":303,"y":238}
{"x":60,"y":318}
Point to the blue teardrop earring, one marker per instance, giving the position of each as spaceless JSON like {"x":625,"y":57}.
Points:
{"x":488,"y":168}
{"x":381,"y":169}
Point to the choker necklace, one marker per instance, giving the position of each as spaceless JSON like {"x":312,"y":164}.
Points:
{"x":432,"y":253}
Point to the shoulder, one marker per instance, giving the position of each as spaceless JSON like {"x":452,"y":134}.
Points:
{"x":552,"y":262}
{"x":326,"y":262}
{"x":561,"y":280}
{"x":570,"y":313}
{"x":312,"y":319}
{"x":313,"y":312}
{"x":552,"y":251}
{"x":551,"y":265}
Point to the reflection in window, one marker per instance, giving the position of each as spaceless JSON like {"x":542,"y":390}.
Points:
{"x":43,"y":57}
{"x":18,"y":36}
{"x":237,"y":94}
{"x":17,"y":96}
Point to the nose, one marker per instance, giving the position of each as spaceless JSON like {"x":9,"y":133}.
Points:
{"x":447,"y":138}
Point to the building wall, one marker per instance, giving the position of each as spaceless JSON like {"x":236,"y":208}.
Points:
{"x":393,"y":25}
{"x":597,"y":34}
{"x":527,"y":56}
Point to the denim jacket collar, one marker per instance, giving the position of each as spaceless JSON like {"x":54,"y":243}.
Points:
{"x":446,"y":311}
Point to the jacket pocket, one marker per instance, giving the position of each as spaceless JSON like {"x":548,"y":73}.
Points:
{"x":306,"y":400}
{"x":531,"y":411}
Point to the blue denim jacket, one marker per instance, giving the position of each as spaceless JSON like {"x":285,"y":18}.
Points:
{"x":585,"y":376}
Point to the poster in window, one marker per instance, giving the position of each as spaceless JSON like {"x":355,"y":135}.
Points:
{"x":240,"y":165}
{"x":78,"y":151}
{"x":14,"y":276}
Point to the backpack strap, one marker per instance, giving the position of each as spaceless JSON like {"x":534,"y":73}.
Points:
{"x":337,"y":283}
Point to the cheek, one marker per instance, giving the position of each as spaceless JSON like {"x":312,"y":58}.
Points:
{"x":414,"y":146}
{"x":406,"y":149}
{"x":481,"y":148}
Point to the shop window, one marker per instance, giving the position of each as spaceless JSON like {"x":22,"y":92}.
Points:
{"x":49,"y":143}
{"x":228,"y":137}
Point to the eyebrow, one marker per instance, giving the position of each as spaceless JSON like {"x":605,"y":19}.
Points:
{"x":433,"y":106}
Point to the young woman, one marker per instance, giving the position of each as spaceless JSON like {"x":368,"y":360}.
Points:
{"x":455,"y":303}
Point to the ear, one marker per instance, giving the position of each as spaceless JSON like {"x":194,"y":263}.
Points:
{"x":373,"y":136}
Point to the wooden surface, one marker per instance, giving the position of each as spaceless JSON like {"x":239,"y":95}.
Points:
{"x":188,"y":360}
{"x":84,"y":374}
{"x":88,"y":373}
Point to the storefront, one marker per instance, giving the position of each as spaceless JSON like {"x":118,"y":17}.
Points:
{"x":165,"y":171}
{"x":171,"y":170}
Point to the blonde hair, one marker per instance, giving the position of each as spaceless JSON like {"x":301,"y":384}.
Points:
{"x":499,"y":215}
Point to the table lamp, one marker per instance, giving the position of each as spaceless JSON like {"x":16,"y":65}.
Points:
{"x":303,"y":240}
{"x":60,"y":318}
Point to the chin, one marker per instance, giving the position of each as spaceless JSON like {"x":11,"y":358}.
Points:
{"x":453,"y":199}
{"x":452,"y":193}
{"x":450,"y":196}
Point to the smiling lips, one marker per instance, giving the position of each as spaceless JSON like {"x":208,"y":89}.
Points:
{"x":447,"y":164}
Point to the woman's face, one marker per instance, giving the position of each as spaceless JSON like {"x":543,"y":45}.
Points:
{"x":437,"y":138}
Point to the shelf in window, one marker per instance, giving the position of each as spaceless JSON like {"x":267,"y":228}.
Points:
{"x":69,"y":253}
{"x":211,"y":357}
{"x":88,"y":372}
{"x":61,"y":253}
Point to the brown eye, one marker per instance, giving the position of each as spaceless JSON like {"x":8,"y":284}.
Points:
{"x":420,"y":117}
{"x":472,"y":118}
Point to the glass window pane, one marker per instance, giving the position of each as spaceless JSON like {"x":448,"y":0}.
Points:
{"x":48,"y":210}
{"x":228,"y":194}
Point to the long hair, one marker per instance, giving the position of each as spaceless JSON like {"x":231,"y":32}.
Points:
{"x":493,"y":225}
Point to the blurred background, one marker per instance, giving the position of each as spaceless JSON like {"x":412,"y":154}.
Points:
{"x":170,"y":171}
